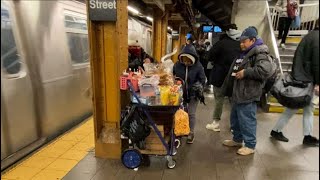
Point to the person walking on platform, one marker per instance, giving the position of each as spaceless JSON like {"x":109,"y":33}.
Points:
{"x":191,"y":71}
{"x":284,"y":20}
{"x":305,"y":68}
{"x":222,"y":54}
{"x":251,"y":69}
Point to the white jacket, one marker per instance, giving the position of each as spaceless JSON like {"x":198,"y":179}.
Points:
{"x":281,"y":6}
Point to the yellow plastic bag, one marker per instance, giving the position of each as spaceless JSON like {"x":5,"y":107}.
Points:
{"x":181,"y":123}
{"x":164,"y":95}
{"x":174,"y":99}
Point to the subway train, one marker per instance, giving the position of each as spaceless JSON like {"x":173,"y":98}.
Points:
{"x":45,"y":71}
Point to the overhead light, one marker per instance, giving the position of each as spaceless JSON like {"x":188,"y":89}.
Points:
{"x":149,"y":18}
{"x":133,"y":10}
{"x":169,"y":28}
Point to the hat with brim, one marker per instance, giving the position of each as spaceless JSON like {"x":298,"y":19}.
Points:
{"x":249,"y":32}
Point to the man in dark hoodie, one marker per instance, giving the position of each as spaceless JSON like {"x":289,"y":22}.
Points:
{"x":222,"y":54}
{"x":250,"y":70}
{"x":191,"y":71}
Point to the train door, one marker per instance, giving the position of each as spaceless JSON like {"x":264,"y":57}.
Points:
{"x":17,"y":103}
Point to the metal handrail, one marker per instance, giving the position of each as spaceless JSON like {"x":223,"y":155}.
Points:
{"x":273,"y":38}
{"x":305,"y":11}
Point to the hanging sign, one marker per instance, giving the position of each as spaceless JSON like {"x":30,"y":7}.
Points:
{"x":102,"y":10}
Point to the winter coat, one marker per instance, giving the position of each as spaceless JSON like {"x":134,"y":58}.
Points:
{"x":195,"y":72}
{"x":281,"y":6}
{"x":257,"y":68}
{"x":222,"y":54}
{"x":306,"y":59}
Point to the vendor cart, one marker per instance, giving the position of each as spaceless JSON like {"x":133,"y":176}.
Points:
{"x":161,"y":120}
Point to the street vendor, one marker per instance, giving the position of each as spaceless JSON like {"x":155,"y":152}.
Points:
{"x":191,"y":71}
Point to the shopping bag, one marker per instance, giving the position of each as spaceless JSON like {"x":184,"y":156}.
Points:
{"x":181,"y":123}
{"x":296,"y":22}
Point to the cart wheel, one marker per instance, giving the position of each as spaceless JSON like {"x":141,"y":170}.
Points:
{"x":131,"y":158}
{"x":171,"y":164}
{"x":177,"y":143}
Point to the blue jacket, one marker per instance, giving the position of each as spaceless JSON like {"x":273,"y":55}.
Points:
{"x":195,"y":72}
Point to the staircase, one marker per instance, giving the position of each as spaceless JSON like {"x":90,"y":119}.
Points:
{"x":286,"y":57}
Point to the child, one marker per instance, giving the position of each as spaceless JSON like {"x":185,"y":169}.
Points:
{"x":191,"y":71}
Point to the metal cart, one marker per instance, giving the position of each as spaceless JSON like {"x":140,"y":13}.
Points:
{"x":132,"y":157}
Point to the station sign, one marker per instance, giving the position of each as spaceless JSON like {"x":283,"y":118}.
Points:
{"x":102,"y":10}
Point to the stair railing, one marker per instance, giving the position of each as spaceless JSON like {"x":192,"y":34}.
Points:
{"x":309,"y":13}
{"x":273,"y":44}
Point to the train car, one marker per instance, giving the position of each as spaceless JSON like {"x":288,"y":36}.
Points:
{"x":45,"y":71}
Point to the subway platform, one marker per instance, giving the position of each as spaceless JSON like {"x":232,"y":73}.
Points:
{"x":71,"y":156}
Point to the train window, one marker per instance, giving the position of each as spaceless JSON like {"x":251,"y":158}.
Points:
{"x":78,"y":45}
{"x":77,"y":33}
{"x":75,"y":22}
{"x":10,"y":59}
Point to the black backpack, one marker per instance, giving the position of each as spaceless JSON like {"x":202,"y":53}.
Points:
{"x":272,"y":79}
{"x":135,"y":126}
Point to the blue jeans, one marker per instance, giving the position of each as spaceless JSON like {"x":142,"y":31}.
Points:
{"x":244,"y":123}
{"x":307,"y":119}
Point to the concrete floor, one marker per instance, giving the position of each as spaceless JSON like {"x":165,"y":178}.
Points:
{"x":208,"y":159}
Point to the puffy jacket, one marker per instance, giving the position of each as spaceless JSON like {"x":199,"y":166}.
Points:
{"x":257,"y":68}
{"x":281,"y":6}
{"x":222,"y":55}
{"x":195,"y":72}
{"x":306,"y":59}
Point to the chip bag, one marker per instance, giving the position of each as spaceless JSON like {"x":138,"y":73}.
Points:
{"x":181,"y":123}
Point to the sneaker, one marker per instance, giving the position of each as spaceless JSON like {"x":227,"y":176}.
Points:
{"x":244,"y":151}
{"x":282,"y":45}
{"x":279,"y":41}
{"x":279,"y":136}
{"x":190,"y":138}
{"x":231,"y":143}
{"x":213,"y":126}
{"x":310,"y":141}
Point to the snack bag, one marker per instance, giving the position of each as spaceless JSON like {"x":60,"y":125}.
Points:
{"x":181,"y":123}
{"x":174,"y":95}
{"x":164,"y":95}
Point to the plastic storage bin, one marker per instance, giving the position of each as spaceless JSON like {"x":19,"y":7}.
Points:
{"x":147,"y":90}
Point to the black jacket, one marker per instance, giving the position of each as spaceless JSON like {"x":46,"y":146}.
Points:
{"x":257,"y":68}
{"x":306,"y":59}
{"x":222,"y":55}
{"x":195,"y":72}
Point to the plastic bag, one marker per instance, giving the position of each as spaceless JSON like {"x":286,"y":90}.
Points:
{"x":168,"y":63}
{"x":153,"y":80}
{"x":296,"y":22}
{"x":149,"y":69}
{"x":181,"y":123}
{"x":164,"y":95}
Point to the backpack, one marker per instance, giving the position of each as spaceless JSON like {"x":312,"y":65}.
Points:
{"x":290,"y":10}
{"x":272,"y":79}
{"x":135,"y":126}
{"x":269,"y":82}
{"x":292,"y":93}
